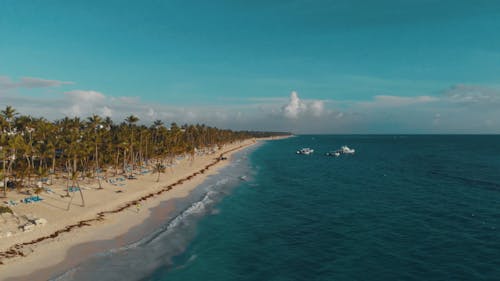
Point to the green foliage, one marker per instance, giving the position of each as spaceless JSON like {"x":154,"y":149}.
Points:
{"x":34,"y":146}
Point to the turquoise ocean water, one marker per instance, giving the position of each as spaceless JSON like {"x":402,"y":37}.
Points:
{"x":401,"y":208}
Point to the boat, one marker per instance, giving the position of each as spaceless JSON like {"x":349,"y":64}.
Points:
{"x":346,"y":150}
{"x":305,"y":151}
{"x":343,"y":150}
{"x":335,"y":153}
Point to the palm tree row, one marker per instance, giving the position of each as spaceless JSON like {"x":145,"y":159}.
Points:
{"x":35,"y":149}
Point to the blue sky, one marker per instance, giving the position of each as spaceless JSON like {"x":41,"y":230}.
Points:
{"x":356,"y":66}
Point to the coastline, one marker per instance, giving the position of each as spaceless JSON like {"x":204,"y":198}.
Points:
{"x":110,"y":221}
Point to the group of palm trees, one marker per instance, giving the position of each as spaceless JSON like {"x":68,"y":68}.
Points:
{"x":33,"y":150}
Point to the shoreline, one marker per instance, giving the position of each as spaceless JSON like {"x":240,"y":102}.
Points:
{"x":48,"y":254}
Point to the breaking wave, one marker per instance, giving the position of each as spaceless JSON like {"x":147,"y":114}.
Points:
{"x":137,"y":259}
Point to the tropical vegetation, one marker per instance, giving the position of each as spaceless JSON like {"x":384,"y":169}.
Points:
{"x":34,"y":150}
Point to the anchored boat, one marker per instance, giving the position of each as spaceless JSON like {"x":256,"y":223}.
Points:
{"x":343,"y":150}
{"x":305,"y":151}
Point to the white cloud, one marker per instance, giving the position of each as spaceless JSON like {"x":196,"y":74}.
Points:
{"x":168,"y":115}
{"x":5,"y":82}
{"x":30,"y":82}
{"x":317,"y":108}
{"x":83,"y":102}
{"x":472,"y":95}
{"x":107,"y":112}
{"x":191,"y":115}
{"x":296,"y":107}
{"x":74,"y":110}
{"x":85,"y":96}
{"x":221,"y":115}
{"x":151,"y":113}
{"x":396,"y":101}
{"x":129,"y":100}
{"x":437,"y":119}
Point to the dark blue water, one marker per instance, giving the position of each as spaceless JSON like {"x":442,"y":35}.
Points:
{"x":401,"y":208}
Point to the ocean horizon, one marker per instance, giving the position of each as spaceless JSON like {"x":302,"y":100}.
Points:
{"x":404,"y":207}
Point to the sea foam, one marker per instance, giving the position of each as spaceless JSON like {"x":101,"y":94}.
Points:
{"x":138,"y":258}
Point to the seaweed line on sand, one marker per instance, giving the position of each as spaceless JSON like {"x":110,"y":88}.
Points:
{"x":17,"y":249}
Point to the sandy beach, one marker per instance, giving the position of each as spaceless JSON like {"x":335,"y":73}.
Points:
{"x":108,"y":213}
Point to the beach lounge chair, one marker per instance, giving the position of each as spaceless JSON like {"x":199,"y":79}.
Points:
{"x":48,"y":190}
{"x":31,"y":199}
{"x":27,"y":227}
{"x":40,"y":221}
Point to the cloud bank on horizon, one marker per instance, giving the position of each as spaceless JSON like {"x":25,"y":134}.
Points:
{"x":458,"y":109}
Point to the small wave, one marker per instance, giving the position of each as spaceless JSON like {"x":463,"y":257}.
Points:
{"x":68,"y":275}
{"x":191,"y":259}
{"x":195,"y":208}
{"x":222,"y":182}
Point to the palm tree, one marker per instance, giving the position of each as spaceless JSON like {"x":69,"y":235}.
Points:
{"x":6,"y":122}
{"x":3,"y":124}
{"x":107,"y":145}
{"x":9,"y":113}
{"x":3,"y":175}
{"x":95,"y":124}
{"x":75,"y":184}
{"x":46,"y":136}
{"x":42,"y":173}
{"x":3,"y":154}
{"x":159,"y":168}
{"x":143,"y":143}
{"x":131,"y":120}
{"x":73,"y":148}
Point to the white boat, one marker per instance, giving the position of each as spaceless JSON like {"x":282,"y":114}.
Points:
{"x":335,"y":153}
{"x":343,"y":150}
{"x":346,"y":150}
{"x":305,"y":151}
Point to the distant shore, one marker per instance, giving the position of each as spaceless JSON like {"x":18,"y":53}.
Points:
{"x":109,"y":213}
